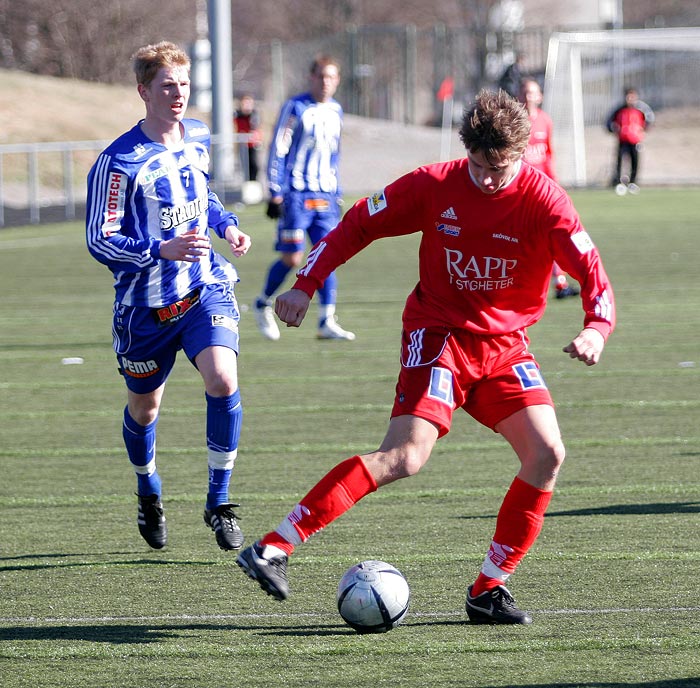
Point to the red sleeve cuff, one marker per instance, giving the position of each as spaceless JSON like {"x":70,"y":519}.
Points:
{"x":307,"y":285}
{"x":603,"y":327}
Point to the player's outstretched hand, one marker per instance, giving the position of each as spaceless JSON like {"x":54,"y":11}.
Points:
{"x":587,"y":346}
{"x":291,"y":306}
{"x":188,"y":247}
{"x":237,"y":240}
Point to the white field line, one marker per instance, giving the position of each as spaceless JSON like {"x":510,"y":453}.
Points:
{"x":29,"y":620}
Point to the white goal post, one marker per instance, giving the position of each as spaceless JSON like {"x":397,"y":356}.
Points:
{"x":585,"y":76}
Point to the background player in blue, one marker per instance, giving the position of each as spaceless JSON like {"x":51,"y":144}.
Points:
{"x":305,"y":194}
{"x":149,"y":210}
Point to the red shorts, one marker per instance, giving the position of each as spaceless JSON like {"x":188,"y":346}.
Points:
{"x":490,"y":377}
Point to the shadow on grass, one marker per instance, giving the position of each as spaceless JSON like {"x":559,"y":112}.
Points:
{"x":82,"y":564}
{"x":659,"y":508}
{"x":136,"y":634}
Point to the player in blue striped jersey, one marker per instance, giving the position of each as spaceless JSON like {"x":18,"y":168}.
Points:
{"x":304,"y":190}
{"x":149,"y":212}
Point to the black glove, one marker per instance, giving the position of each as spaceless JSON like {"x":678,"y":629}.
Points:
{"x":274,"y":210}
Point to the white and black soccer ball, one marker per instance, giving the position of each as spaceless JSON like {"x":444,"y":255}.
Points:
{"x":373,"y":597}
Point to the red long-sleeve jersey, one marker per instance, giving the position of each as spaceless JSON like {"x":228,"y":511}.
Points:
{"x":485,"y":261}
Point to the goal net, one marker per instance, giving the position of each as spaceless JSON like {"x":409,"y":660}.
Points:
{"x":585,"y":78}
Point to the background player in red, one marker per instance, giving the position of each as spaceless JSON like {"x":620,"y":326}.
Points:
{"x":491,"y":227}
{"x":629,"y":121}
{"x":540,"y":154}
{"x":246,"y":120}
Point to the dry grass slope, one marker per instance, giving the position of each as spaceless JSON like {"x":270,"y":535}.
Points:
{"x":35,"y":108}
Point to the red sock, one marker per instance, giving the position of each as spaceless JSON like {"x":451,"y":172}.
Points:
{"x":339,"y":490}
{"x":518,"y":524}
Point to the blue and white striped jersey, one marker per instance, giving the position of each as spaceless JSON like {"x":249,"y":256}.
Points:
{"x":305,"y":147}
{"x":140,"y":193}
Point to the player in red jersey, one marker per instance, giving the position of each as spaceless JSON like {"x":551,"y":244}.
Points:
{"x":629,"y":122}
{"x":540,"y":154}
{"x":491,"y":227}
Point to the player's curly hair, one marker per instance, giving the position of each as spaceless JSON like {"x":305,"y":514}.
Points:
{"x":496,"y":125}
{"x":148,"y":60}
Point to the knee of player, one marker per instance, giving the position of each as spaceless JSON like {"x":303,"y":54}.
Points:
{"x":409,"y":460}
{"x":221,"y":386}
{"x":551,"y":457}
{"x":144,"y":416}
{"x":394,"y":464}
{"x":293,"y":260}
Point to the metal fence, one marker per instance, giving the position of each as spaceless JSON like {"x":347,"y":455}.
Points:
{"x":391,"y":72}
{"x":42,"y":182}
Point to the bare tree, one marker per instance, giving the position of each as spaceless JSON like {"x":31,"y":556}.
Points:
{"x":92,"y":40}
{"x":85,"y":39}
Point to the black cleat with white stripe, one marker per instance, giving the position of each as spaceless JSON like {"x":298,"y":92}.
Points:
{"x":151,"y":521}
{"x":222,"y":520}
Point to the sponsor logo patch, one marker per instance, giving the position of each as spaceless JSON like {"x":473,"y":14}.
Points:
{"x":176,"y":215}
{"x":441,"y":386}
{"x":320,"y":205}
{"x":169,"y":315}
{"x":479,"y":273}
{"x":505,"y":237}
{"x":114,"y":205}
{"x":452,"y":230}
{"x":291,"y":236}
{"x":138,"y":368}
{"x":449,"y":214}
{"x":529,"y":376}
{"x":376,"y":202}
{"x":582,"y":241}
{"x":150,"y":177}
{"x":224,"y":321}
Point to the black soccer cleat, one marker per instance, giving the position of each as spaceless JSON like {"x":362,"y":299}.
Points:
{"x":565,"y":292}
{"x":495,"y":606}
{"x":151,"y":521}
{"x":271,"y":574}
{"x":222,"y":520}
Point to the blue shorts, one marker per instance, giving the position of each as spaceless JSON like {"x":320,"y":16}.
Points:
{"x":306,"y":212}
{"x":146,"y":340}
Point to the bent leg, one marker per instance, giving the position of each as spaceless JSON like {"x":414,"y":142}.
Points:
{"x":404,"y":450}
{"x":534,"y":434}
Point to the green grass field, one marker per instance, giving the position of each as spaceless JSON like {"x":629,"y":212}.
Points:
{"x":612,"y":582}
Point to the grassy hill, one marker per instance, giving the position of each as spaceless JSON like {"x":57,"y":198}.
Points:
{"x":39,"y":108}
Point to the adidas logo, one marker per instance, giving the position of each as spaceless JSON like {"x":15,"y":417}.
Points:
{"x":449,"y":214}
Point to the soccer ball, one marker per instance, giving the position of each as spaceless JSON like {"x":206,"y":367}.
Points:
{"x":373,"y":597}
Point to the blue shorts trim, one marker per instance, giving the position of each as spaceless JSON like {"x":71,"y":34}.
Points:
{"x":306,"y":213}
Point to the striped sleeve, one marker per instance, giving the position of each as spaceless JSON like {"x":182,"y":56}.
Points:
{"x":108,"y":217}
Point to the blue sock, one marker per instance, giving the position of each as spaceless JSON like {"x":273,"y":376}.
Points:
{"x":140,"y":445}
{"x":327,"y":293}
{"x":224,"y":418}
{"x":276,"y":275}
